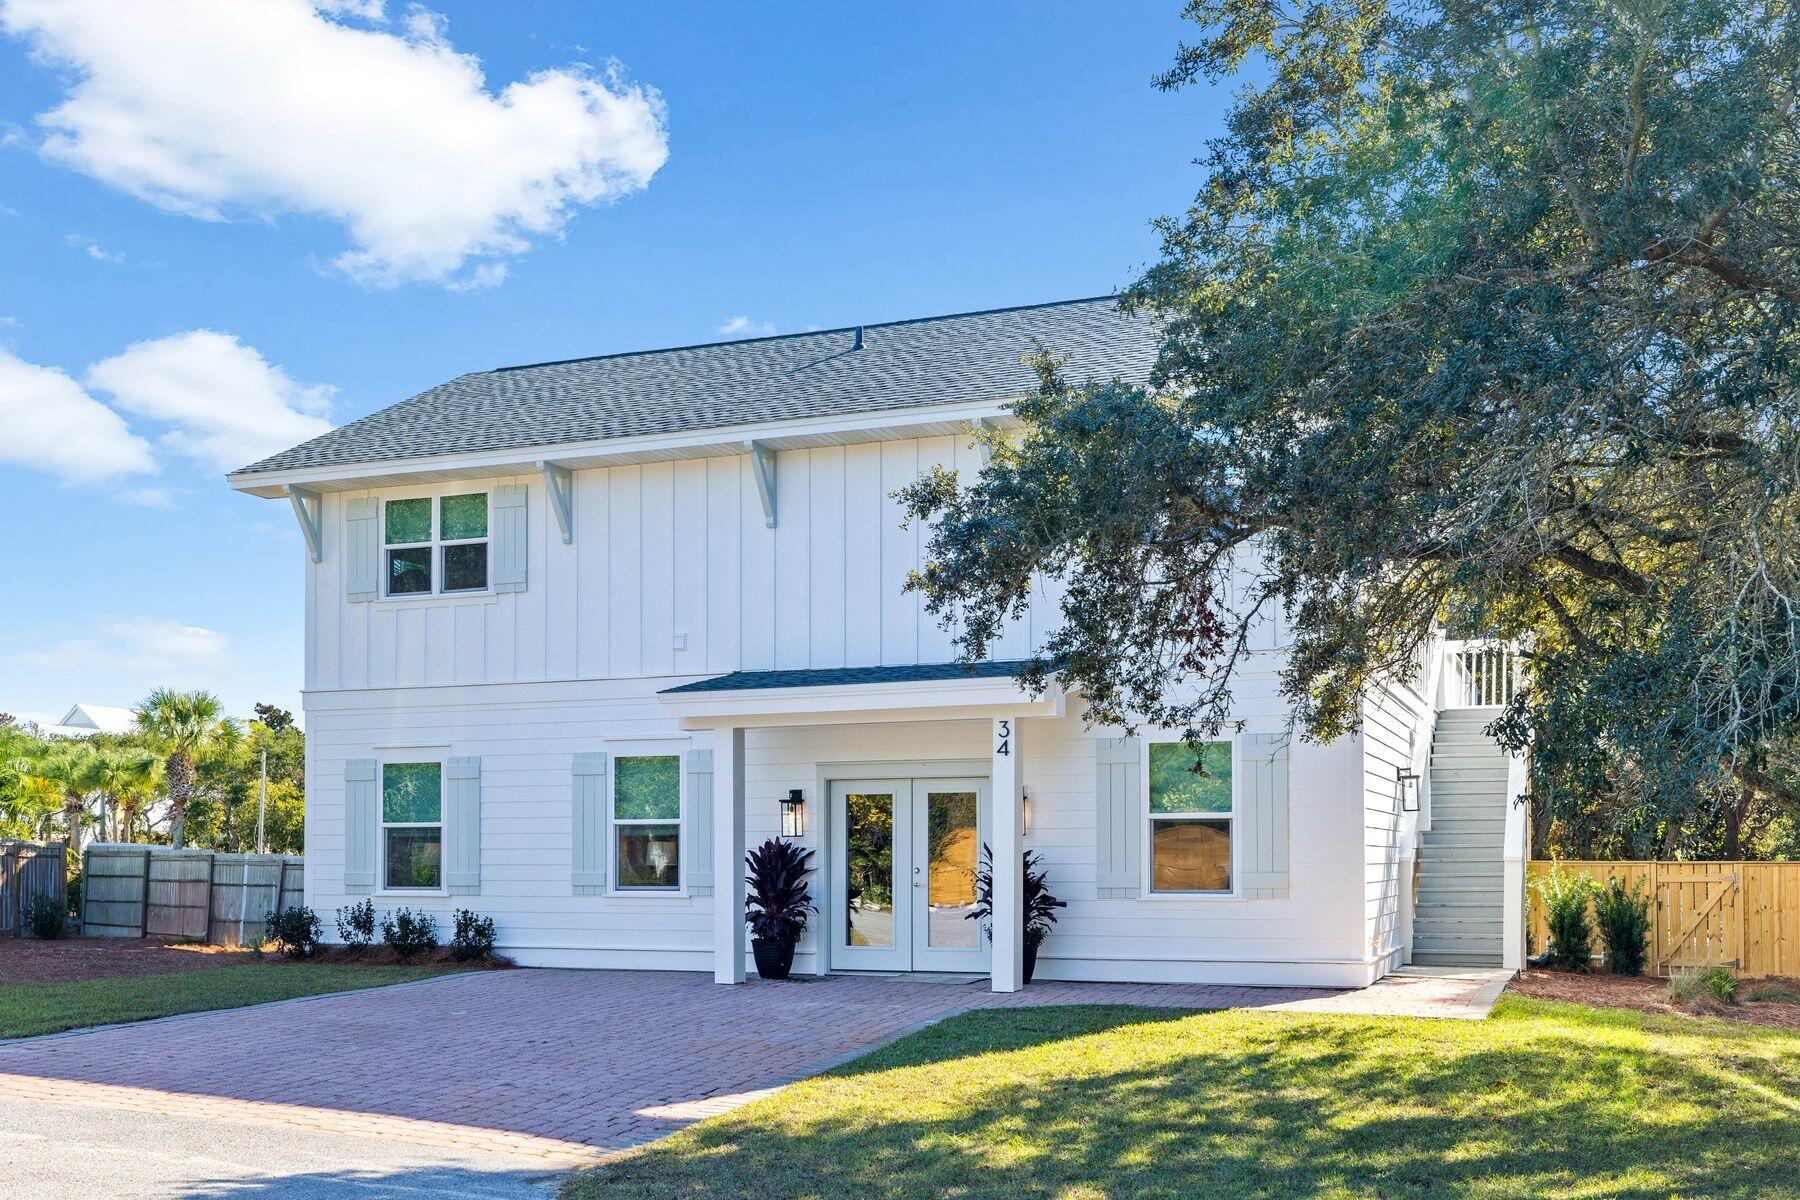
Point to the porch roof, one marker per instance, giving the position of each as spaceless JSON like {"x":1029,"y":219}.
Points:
{"x":838,"y":676}
{"x":925,"y":691}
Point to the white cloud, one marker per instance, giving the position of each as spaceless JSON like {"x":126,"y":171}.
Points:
{"x":215,"y":107}
{"x":227,"y":406}
{"x":92,"y":248}
{"x":137,"y":644}
{"x":53,"y":425}
{"x":742,"y":326}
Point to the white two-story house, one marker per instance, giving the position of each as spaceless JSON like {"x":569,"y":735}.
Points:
{"x":577,"y":632}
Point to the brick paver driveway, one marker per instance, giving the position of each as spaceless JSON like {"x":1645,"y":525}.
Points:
{"x":554,"y":1065}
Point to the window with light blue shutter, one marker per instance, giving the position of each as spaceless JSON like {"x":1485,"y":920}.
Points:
{"x":1117,"y":818}
{"x":508,"y":537}
{"x":462,"y":826}
{"x":359,"y":825}
{"x":362,"y":549}
{"x":588,"y":800}
{"x":1263,"y":817}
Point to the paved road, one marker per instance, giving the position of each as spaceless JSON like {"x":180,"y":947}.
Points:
{"x":90,"y":1151}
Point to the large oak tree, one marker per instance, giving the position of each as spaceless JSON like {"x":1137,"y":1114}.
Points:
{"x":1486,"y":315}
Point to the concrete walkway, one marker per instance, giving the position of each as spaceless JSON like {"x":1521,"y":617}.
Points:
{"x":525,"y":1071}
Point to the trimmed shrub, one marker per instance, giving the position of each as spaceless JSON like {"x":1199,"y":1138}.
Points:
{"x":473,"y":938}
{"x":408,"y":933}
{"x":45,"y":918}
{"x":356,"y":925}
{"x":1623,"y":915}
{"x":1566,"y":899}
{"x":293,"y":931}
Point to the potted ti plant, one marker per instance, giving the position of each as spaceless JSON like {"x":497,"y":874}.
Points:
{"x":1040,"y":905}
{"x":776,"y":904}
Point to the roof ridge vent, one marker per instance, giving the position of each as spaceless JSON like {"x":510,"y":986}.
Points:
{"x":857,"y":345}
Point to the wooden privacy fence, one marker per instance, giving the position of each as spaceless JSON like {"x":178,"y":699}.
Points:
{"x":1744,"y":915}
{"x":156,"y":891}
{"x":29,"y":869}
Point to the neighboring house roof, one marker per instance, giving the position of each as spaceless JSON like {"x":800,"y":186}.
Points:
{"x":838,"y":676}
{"x":84,"y":720}
{"x":903,"y":364}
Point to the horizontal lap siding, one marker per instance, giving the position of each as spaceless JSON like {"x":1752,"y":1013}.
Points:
{"x":1395,"y":721}
{"x":668,"y":553}
{"x":526,"y":737}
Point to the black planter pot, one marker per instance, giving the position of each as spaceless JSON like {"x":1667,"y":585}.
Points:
{"x":1030,"y":959}
{"x":773,"y":959}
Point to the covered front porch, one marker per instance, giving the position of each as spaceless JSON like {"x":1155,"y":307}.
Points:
{"x":892,"y":828}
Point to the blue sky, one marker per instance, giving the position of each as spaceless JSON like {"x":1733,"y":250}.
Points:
{"x":205,"y":253}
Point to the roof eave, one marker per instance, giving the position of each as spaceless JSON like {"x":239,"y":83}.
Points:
{"x":718,"y":441}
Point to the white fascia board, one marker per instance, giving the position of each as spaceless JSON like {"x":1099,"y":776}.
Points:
{"x":861,"y":703}
{"x":720,"y":441}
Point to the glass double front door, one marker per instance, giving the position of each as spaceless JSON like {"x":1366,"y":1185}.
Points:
{"x":904,"y":854}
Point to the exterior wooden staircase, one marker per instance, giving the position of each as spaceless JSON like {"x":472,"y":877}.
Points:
{"x":1459,"y":920}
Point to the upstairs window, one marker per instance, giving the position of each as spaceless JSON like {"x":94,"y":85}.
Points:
{"x":436,"y":545}
{"x":1190,"y":818}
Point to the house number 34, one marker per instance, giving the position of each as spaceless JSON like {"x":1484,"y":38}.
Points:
{"x":1002,"y":737}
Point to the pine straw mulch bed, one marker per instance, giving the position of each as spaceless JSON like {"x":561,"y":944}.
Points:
{"x":379,"y":955}
{"x":1651,"y":995}
{"x":68,"y":960}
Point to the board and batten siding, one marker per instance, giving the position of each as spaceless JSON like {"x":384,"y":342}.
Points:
{"x":672,"y":572}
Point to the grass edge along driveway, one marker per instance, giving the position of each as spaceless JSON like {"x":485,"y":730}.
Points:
{"x":1541,"y":1099}
{"x":30,"y":1009}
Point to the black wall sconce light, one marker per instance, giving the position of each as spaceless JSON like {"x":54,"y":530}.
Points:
{"x":1408,"y":780}
{"x":793,"y":815}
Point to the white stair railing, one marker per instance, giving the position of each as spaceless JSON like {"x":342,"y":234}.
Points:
{"x":1480,"y":674}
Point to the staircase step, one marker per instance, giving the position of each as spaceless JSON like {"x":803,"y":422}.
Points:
{"x":1458,"y":879}
{"x":1455,"y":958}
{"x":1426,"y":940}
{"x":1453,"y":821}
{"x":1453,"y":839}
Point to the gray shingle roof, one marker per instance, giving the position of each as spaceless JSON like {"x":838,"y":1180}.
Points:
{"x":904,"y":364}
{"x":739,"y":681}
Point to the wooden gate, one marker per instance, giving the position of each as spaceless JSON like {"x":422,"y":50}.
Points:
{"x":1699,"y":917}
{"x":1744,"y":915}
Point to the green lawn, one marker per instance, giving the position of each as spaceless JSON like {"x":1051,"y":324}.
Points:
{"x":33,"y":1008}
{"x":1077,"y":1103}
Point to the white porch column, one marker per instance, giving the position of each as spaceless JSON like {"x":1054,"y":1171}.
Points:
{"x":728,"y":855}
{"x":1008,"y":780}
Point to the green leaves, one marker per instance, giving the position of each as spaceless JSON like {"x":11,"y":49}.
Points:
{"x":1487,"y":314}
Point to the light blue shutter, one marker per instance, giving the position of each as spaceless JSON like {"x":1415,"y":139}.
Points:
{"x":507,"y":543}
{"x":697,"y":848}
{"x":362,"y":549}
{"x":1262,"y":822}
{"x":1118,"y":818}
{"x":588,"y":796}
{"x":359,"y":825}
{"x":462,"y":826}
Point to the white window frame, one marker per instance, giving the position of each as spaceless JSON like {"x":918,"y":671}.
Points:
{"x":678,"y":750}
{"x":1149,"y":820}
{"x":437,"y":544}
{"x":382,"y":824}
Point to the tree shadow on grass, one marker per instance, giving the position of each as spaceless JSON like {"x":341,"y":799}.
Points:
{"x":1054,"y":1104}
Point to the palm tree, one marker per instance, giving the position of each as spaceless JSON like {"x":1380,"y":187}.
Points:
{"x":66,"y":767}
{"x":183,"y":727}
{"x":123,"y":777}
